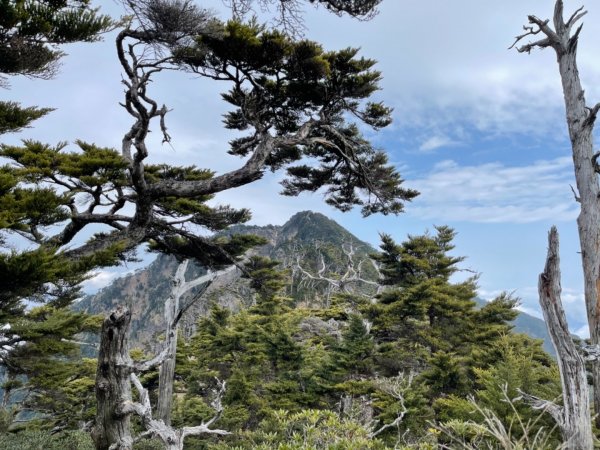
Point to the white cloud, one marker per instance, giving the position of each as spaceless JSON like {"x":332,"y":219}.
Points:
{"x":461,"y":70}
{"x":268,"y":207}
{"x":100,"y":279}
{"x":469,"y":76}
{"x":496,"y":192}
{"x":436,"y":142}
{"x":532,"y":310}
{"x":572,"y":300}
{"x":583,"y":331}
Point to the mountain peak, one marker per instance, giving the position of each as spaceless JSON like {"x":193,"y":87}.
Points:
{"x":307,"y":215}
{"x":310,"y":226}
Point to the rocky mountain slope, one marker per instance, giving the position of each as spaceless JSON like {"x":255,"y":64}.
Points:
{"x":320,"y":255}
{"x":310,"y":246}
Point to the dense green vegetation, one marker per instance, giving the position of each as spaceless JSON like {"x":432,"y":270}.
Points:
{"x":41,"y":364}
{"x":417,"y":365}
{"x":420,"y":349}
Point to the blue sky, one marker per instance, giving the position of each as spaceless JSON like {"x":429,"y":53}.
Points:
{"x":478,"y":129}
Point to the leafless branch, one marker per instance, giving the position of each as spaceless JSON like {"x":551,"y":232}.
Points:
{"x":353,"y":274}
{"x":152,"y":363}
{"x":577,"y":198}
{"x":578,"y":14}
{"x":73,"y":341}
{"x":591,"y":352}
{"x":537,"y":26}
{"x":397,"y":388}
{"x":550,"y":407}
{"x":591,"y":116}
{"x":217,"y":405}
{"x":173,"y":438}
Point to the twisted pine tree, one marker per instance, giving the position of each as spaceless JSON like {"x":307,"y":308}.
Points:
{"x":293,"y":101}
{"x":297,"y":107}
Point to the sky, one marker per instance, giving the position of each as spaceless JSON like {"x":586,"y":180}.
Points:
{"x":478,"y":129}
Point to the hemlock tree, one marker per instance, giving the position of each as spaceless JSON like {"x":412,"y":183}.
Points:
{"x":520,"y":365}
{"x":426,"y":325}
{"x":563,"y":38}
{"x":255,"y":350}
{"x":423,"y":306}
{"x":32,"y":34}
{"x":56,"y":392}
{"x":383,"y":363}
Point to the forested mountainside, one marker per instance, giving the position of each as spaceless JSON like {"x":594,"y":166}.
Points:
{"x":307,"y":242}
{"x":361,"y":347}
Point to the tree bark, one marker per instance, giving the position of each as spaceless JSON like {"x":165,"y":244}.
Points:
{"x":113,"y":388}
{"x":166,"y":379}
{"x":580,"y":122}
{"x":573,"y":418}
{"x":172,"y":439}
{"x":588,"y":221}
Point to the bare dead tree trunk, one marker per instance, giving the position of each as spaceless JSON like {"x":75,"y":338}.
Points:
{"x":166,"y":377}
{"x":173,"y":313}
{"x":166,"y":374}
{"x":113,"y":388}
{"x":580,"y":121}
{"x":172,"y":439}
{"x":573,"y":417}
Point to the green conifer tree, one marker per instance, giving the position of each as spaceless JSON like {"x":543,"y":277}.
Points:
{"x":38,"y":343}
{"x":520,"y":365}
{"x":254,"y":350}
{"x":291,"y":99}
{"x":428,"y":325}
{"x":31,"y":33}
{"x":47,"y":379}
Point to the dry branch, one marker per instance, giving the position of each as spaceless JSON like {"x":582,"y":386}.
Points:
{"x":116,"y":373}
{"x":396,"y":387}
{"x":353,"y":275}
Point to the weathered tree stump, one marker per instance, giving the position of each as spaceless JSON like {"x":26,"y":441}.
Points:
{"x":113,"y":386}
